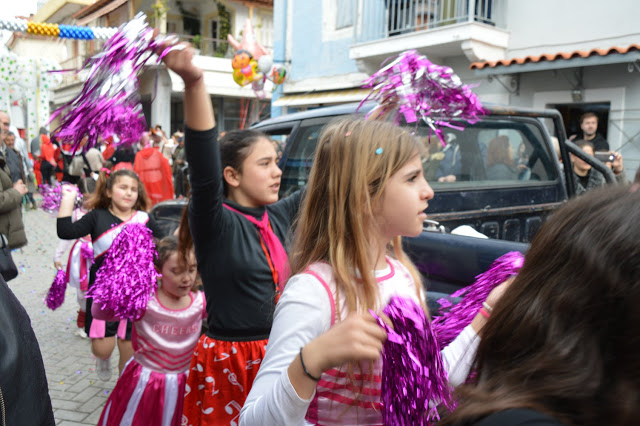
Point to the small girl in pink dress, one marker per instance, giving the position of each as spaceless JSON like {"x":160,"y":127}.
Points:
{"x":151,"y":389}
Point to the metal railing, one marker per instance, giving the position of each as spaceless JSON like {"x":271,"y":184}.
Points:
{"x":387,"y":18}
{"x":211,"y":46}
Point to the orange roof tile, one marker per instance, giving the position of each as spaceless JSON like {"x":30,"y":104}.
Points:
{"x":555,"y":56}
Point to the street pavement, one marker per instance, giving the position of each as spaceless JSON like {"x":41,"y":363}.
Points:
{"x":77,"y":395}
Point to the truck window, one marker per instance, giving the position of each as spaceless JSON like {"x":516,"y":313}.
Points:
{"x":300,"y":157}
{"x":490,"y":153}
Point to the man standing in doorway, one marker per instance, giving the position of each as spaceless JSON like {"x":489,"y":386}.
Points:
{"x":589,"y":127}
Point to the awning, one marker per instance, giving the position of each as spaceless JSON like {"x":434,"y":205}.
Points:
{"x":561,"y":60}
{"x":323,"y":98}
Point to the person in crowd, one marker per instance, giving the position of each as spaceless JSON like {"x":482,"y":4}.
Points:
{"x":9,"y":155}
{"x":366,"y":191}
{"x":450,"y":165}
{"x":154,"y":171}
{"x":78,"y":266}
{"x":500,"y":160}
{"x":238,"y":228}
{"x":36,"y":143}
{"x":560,"y":347}
{"x":119,"y":198}
{"x":47,"y":161}
{"x":25,"y":175}
{"x":23,"y":382}
{"x":95,"y":161}
{"x":14,"y":159}
{"x":122,"y":158}
{"x":178,"y":166}
{"x":589,"y":132}
{"x":164,"y":340}
{"x":587,"y":178}
{"x":11,"y":193}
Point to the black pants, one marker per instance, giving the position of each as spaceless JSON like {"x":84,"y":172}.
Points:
{"x":47,"y":170}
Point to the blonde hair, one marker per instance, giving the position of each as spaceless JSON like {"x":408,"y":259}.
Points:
{"x":353,"y":162}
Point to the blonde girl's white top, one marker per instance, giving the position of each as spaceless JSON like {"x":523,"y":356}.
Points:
{"x":305,"y":311}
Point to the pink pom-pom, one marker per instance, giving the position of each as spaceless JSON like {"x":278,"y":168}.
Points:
{"x":452,"y":321}
{"x":109,"y":102}
{"x":55,"y":295}
{"x":414,"y":380}
{"x":52,"y":196}
{"x":127,"y":278}
{"x":423,"y":90}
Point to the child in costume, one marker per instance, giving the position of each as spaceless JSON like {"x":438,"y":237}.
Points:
{"x":238,"y":228}
{"x":151,"y":389}
{"x":80,"y":255}
{"x":323,"y":366}
{"x":119,"y":199}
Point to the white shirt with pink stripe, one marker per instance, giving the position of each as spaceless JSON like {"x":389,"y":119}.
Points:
{"x":307,"y":310}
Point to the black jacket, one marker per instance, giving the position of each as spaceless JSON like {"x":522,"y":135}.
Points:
{"x":22,"y":379}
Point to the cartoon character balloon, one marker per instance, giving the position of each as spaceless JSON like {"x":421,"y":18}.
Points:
{"x":252,"y":64}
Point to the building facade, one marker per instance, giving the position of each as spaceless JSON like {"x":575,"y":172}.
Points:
{"x":575,"y":55}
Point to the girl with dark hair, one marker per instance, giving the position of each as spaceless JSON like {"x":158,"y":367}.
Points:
{"x":119,"y":199}
{"x":150,"y":391}
{"x":561,"y":347}
{"x":239,"y":229}
{"x":77,"y":264}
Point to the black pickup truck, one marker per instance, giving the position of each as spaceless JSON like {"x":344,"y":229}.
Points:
{"x":500,"y":176}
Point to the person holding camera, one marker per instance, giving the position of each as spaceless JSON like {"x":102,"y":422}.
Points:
{"x":586,"y":177}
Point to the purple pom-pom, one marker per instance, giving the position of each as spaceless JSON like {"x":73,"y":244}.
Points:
{"x":55,"y":296}
{"x":450,"y":324}
{"x":423,"y":91}
{"x":414,"y":380}
{"x":52,"y":196}
{"x":127,"y":278}
{"x":86,"y":252}
{"x":109,"y":102}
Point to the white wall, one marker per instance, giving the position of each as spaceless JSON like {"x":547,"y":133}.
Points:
{"x":549,"y":26}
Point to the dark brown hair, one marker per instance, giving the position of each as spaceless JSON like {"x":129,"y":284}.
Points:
{"x":235,"y":147}
{"x":86,"y":185}
{"x":165,"y":248}
{"x":564,"y":338}
{"x":100,"y":200}
{"x":588,"y":115}
{"x":185,"y":240}
{"x":498,"y":152}
{"x":582,"y":143}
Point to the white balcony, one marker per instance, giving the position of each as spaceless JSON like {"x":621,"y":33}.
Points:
{"x":437,"y":28}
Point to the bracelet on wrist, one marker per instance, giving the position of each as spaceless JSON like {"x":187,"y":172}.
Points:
{"x":484,"y":313}
{"x":304,"y":367}
{"x":487,"y":307}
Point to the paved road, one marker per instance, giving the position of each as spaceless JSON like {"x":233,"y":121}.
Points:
{"x":77,"y":394}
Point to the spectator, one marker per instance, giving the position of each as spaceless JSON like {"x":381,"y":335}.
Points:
{"x":178,"y":165}
{"x":22,"y":377}
{"x":36,"y":143}
{"x":154,"y":172}
{"x":500,"y":160}
{"x":451,"y":165}
{"x":47,"y":163}
{"x":94,"y":159}
{"x":560,"y":347}
{"x":11,"y":158}
{"x":27,"y":170}
{"x":586,"y":177}
{"x":11,"y":193}
{"x":589,"y":128}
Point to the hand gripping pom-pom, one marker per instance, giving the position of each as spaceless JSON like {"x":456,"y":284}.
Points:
{"x":454,"y":319}
{"x":55,"y":296}
{"x":423,"y":91}
{"x":52,"y":196}
{"x":109,"y":101}
{"x":127,"y":278}
{"x":414,"y":380}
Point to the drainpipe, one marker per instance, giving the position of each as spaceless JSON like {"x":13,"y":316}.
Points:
{"x":280,"y":55}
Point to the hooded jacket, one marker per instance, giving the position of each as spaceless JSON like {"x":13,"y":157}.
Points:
{"x":11,"y":225}
{"x":155,"y":174}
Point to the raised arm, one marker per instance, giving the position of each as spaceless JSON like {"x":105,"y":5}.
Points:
{"x":201,"y":146}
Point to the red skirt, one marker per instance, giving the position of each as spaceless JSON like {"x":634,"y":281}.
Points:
{"x":220,"y":377}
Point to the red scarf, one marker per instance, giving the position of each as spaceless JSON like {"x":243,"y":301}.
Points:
{"x":275,"y":252}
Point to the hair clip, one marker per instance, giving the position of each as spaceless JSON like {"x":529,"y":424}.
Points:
{"x":347,"y":134}
{"x":379,"y":151}
{"x":106,"y":171}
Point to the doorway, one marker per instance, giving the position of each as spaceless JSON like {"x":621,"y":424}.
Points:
{"x":572,"y":112}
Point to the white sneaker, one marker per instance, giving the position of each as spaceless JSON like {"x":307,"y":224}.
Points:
{"x":81,"y":333}
{"x":103,"y":369}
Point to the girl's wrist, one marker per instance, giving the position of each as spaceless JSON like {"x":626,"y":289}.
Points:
{"x":311,"y":360}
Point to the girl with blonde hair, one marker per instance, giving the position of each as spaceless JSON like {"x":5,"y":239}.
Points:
{"x":322,"y":365}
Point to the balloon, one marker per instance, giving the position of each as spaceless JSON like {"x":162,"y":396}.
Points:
{"x":241,"y":59}
{"x":278,"y":74}
{"x":265,"y":63}
{"x":248,"y":42}
{"x":247,"y":74}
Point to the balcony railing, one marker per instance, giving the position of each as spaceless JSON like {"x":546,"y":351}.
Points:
{"x":209,"y":46}
{"x":387,"y":18}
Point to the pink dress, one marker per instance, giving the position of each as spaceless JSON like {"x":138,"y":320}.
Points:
{"x":150,"y":390}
